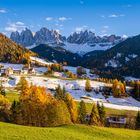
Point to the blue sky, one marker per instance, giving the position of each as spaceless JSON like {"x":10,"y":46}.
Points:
{"x":121,"y":17}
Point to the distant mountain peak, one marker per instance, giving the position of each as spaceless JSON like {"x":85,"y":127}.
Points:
{"x":78,"y":42}
{"x":43,"y":36}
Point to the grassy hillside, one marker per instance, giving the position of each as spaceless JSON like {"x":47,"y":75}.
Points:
{"x":72,"y":132}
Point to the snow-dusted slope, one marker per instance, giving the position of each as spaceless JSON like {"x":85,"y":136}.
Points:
{"x":42,"y":61}
{"x":127,"y":103}
{"x":85,"y":48}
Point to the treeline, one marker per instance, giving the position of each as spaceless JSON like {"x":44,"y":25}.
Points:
{"x":118,"y":88}
{"x":37,"y":107}
{"x":79,"y":115}
{"x":59,"y":68}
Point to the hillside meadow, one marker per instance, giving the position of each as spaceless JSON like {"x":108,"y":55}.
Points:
{"x":69,"y":132}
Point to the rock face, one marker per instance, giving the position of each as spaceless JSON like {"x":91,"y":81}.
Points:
{"x":81,"y":42}
{"x":90,"y":38}
{"x":15,"y":36}
{"x":43,"y":36}
{"x":26,"y":37}
{"x":46,"y":36}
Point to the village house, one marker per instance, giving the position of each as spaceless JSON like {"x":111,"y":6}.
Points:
{"x":10,"y":71}
{"x":81,"y":70}
{"x":28,"y":70}
{"x":116,"y":120}
{"x":57,"y":74}
{"x":31,"y":71}
{"x":6,"y":71}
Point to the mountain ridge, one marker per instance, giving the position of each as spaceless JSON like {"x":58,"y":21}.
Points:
{"x":81,"y":42}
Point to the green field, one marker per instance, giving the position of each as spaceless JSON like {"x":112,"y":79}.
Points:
{"x":110,"y":110}
{"x":71,"y":132}
{"x":12,"y":95}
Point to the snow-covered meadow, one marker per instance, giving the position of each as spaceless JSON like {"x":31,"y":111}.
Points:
{"x":76,"y":89}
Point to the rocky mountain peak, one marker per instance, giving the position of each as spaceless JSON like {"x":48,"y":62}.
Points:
{"x":43,"y":36}
{"x":90,"y":38}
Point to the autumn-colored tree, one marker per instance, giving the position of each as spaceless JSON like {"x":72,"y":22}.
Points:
{"x":82,"y":112}
{"x":101,"y":111}
{"x":49,"y":72}
{"x":71,"y":75}
{"x":23,"y":87}
{"x":36,"y":107}
{"x":118,"y":89}
{"x":56,"y":67}
{"x":2,"y":89}
{"x":60,"y":93}
{"x":4,"y":109}
{"x":57,"y":113}
{"x":94,"y":116}
{"x":88,"y":87}
{"x":132,"y":83}
{"x":22,"y":84}
{"x":72,"y":107}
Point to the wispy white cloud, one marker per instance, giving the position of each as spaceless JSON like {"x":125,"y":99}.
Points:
{"x":106,"y":27}
{"x":12,"y":27}
{"x":112,"y":16}
{"x":59,"y":25}
{"x":64,"y":19}
{"x":49,"y":18}
{"x":116,"y":15}
{"x":79,"y":29}
{"x":19,"y":23}
{"x":3,"y":11}
{"x":83,"y":28}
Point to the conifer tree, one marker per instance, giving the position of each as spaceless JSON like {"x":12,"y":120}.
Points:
{"x":94,"y":116}
{"x":72,"y":107}
{"x":101,"y":111}
{"x":23,"y":87}
{"x":82,"y":112}
{"x":15,"y":112}
{"x":60,"y":93}
{"x":88,"y":86}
